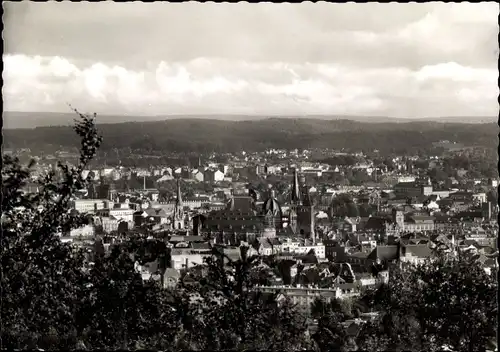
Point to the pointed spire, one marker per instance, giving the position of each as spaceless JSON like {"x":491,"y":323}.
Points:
{"x":295,"y":188}
{"x":179,"y":194}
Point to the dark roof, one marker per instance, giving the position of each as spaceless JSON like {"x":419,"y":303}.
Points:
{"x":421,"y":218}
{"x":243,"y":203}
{"x":385,"y":253}
{"x":194,"y":238}
{"x":461,"y":193}
{"x":361,"y":255}
{"x":353,"y":329}
{"x":155,"y":212}
{"x":405,"y":184}
{"x":419,"y":250}
{"x":200,"y":245}
{"x":274,"y":241}
{"x":308,"y":276}
{"x":376,"y":223}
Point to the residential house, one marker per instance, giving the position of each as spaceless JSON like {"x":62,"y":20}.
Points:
{"x":185,"y":259}
{"x":153,"y":216}
{"x":410,"y":189}
{"x":462,"y":196}
{"x":212,"y":176}
{"x":110,"y":224}
{"x":267,"y":246}
{"x":198,"y":175}
{"x":120,"y":211}
{"x":303,"y":297}
{"x":381,"y":254}
{"x":419,"y":223}
{"x":415,"y":254}
{"x":334,"y":250}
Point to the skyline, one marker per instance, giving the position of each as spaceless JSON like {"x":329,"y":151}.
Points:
{"x":398,"y":60}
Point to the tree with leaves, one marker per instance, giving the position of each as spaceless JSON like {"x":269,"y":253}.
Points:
{"x":52,"y":297}
{"x":449,"y":301}
{"x":40,"y":274}
{"x":330,"y":334}
{"x":223,"y":309}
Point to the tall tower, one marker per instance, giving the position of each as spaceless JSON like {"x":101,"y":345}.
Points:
{"x":295,"y":196}
{"x":301,"y":209}
{"x":398,"y":218}
{"x":305,"y":217}
{"x":178,"y":218}
{"x":112,"y":193}
{"x":295,"y":202}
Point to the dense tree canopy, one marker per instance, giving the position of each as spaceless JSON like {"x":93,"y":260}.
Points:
{"x":204,"y":136}
{"x":445,"y":302}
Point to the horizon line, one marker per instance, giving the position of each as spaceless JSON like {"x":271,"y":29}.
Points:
{"x":270,"y":115}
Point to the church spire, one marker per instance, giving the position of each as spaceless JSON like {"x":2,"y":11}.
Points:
{"x":295,"y":188}
{"x":179,"y":209}
{"x":178,"y":200}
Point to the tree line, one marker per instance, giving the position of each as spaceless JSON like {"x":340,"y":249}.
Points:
{"x":205,"y":136}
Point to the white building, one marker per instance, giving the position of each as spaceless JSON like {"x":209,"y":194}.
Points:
{"x":293,"y":246}
{"x":90,"y":205}
{"x":84,"y":231}
{"x":184,"y":260}
{"x":197,"y":175}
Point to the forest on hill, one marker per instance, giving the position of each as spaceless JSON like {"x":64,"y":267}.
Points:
{"x":206,"y":135}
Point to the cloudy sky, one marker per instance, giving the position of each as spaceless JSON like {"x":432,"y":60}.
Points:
{"x":401,"y":60}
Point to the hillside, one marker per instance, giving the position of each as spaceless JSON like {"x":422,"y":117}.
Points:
{"x":204,"y":135}
{"x":14,"y":120}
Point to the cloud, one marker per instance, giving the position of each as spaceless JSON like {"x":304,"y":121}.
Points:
{"x":203,"y":85}
{"x":365,"y":35}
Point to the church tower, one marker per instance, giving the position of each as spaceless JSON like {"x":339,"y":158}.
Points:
{"x":295,"y":198}
{"x":305,"y":217}
{"x":295,"y":202}
{"x":398,"y":219}
{"x":112,"y":195}
{"x":301,"y":216}
{"x":178,"y":218}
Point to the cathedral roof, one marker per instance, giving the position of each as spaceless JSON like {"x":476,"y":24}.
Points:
{"x":242,"y":203}
{"x":271,"y":205}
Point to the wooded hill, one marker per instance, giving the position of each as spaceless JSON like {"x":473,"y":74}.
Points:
{"x":206,"y":135}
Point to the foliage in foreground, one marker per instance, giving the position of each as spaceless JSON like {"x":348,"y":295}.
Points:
{"x":52,"y":298}
{"x":445,"y":302}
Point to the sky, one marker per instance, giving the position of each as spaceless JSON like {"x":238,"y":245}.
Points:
{"x":399,"y":60}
